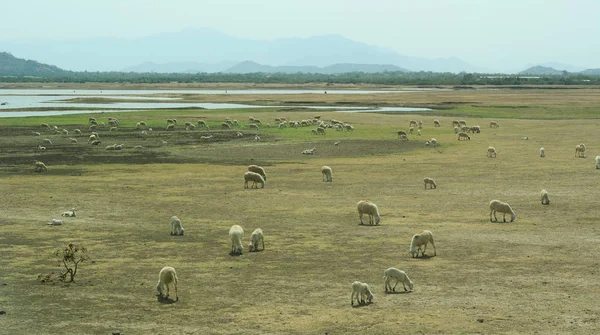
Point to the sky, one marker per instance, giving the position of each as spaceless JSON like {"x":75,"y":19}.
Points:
{"x":487,"y":33}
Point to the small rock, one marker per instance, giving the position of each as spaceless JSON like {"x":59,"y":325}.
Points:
{"x":480,"y":320}
{"x":2,"y":312}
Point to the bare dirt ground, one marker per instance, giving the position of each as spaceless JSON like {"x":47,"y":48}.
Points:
{"x":538,"y":274}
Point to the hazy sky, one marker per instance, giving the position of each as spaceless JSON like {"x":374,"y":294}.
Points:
{"x":483,"y":32}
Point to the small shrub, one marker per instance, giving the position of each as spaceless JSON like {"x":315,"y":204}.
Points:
{"x":71,"y":256}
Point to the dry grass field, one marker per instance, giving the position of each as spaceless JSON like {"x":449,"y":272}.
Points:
{"x":539,"y":274}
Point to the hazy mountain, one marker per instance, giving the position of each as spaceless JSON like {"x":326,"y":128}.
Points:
{"x":541,"y":70}
{"x":251,"y":67}
{"x":13,"y":66}
{"x":207,"y":46}
{"x":179,"y":67}
{"x":591,"y":72}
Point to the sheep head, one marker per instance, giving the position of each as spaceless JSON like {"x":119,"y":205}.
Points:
{"x":370,"y":296}
{"x":410,"y":284}
{"x":377,"y":219}
{"x":159,"y":290}
{"x":513,"y":216}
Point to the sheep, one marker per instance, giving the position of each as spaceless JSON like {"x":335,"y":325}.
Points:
{"x":367,"y":207}
{"x":55,"y":222}
{"x":254,"y":178}
{"x":225,"y":125}
{"x":462,"y":123}
{"x":349,"y":127}
{"x":399,"y":276}
{"x":463,"y":135}
{"x":96,"y":142}
{"x":412,"y":123}
{"x":207,"y":137}
{"x":176,"y":228}
{"x":401,"y":132}
{"x":92,"y":127}
{"x":494,"y":124}
{"x":144,"y":134}
{"x":40,"y":167}
{"x":465,"y":129}
{"x":236,"y":233}
{"x":544,"y":196}
{"x":46,"y":141}
{"x":314,"y":131}
{"x":361,"y":290}
{"x":77,"y":132}
{"x":171,"y":121}
{"x":502,"y":207}
{"x":436,"y":123}
{"x":525,"y":138}
{"x":475,"y":129}
{"x":455,"y":123}
{"x":259,"y":170}
{"x":491,"y":152}
{"x":327,"y":173}
{"x":112,"y":122}
{"x":256,"y":138}
{"x":112,"y":129}
{"x":45,"y":125}
{"x":257,"y":121}
{"x":202,"y":123}
{"x":434,"y":142}
{"x":93,"y":137}
{"x":41,"y":147}
{"x":336,"y":143}
{"x":73,"y":140}
{"x":404,"y":137}
{"x":419,"y":132}
{"x":253,"y":126}
{"x":321,"y":131}
{"x":238,"y":134}
{"x":421,"y":239}
{"x":170,"y":126}
{"x":257,"y":236}
{"x":309,"y":151}
{"x":166,"y":276}
{"x":420,"y":123}
{"x":70,"y":213}
{"x":542,"y":153}
{"x":427,"y":143}
{"x":411,"y":130}
{"x":430,"y":182}
{"x":597,"y":162}
{"x":36,"y":133}
{"x":65,"y":132}
{"x":456,"y":130}
{"x":580,"y":150}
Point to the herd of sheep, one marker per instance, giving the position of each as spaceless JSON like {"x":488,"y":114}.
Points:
{"x":361,"y":292}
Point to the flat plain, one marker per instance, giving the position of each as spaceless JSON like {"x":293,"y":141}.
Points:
{"x":539,"y":274}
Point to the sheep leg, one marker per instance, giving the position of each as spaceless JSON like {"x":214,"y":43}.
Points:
{"x":504,"y":217}
{"x":176,"y":295}
{"x":352,"y":299}
{"x":167,"y":291}
{"x":403,"y":284}
{"x":423,"y":252}
{"x":263,"y":243}
{"x":370,"y":219}
{"x":433,"y":244}
{"x":394,"y":288}
{"x":360,"y":215}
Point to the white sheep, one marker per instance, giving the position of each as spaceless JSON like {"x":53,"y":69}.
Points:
{"x":367,"y":207}
{"x":502,"y":207}
{"x":40,"y":167}
{"x":70,"y":213}
{"x":436,"y":123}
{"x":253,"y":126}
{"x":434,"y":142}
{"x":236,"y":233}
{"x":257,"y":236}
{"x":256,"y":138}
{"x":93,"y":137}
{"x":309,"y":151}
{"x":542,"y":152}
{"x":401,"y":132}
{"x":55,"y":222}
{"x":545,"y":199}
{"x":238,"y":134}
{"x":207,"y":137}
{"x":463,"y":135}
{"x":399,"y":276}
{"x":259,"y":170}
{"x":170,"y":126}
{"x":254,"y":178}
{"x":77,"y":131}
{"x":579,"y":150}
{"x":65,"y":132}
{"x":404,"y":137}
{"x":73,"y":140}
{"x":112,"y":129}
{"x":421,"y":239}
{"x":336,"y":143}
{"x":40,"y":147}
{"x":430,"y":182}
{"x":327,"y":173}
{"x":36,"y":133}
{"x":419,"y":132}
{"x":46,"y":141}
{"x":176,"y":228}
{"x":494,"y":124}
{"x":597,"y":162}
{"x":491,"y":152}
{"x":166,"y":276}
{"x":321,"y":131}
{"x":361,"y":291}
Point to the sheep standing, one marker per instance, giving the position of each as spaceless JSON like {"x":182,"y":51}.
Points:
{"x":502,"y":207}
{"x":176,"y":228}
{"x":463,"y":135}
{"x":401,"y":132}
{"x":491,"y":152}
{"x":597,"y":162}
{"x":166,"y":276}
{"x":542,"y":153}
{"x":236,"y":233}
{"x":70,"y":213}
{"x":327,"y":173}
{"x":494,"y":124}
{"x":545,"y":199}
{"x":399,"y":276}
{"x":436,"y":123}
{"x":259,"y":170}
{"x":367,"y":207}
{"x":361,"y":290}
{"x":430,"y":182}
{"x":40,"y":167}
{"x":257,"y":236}
{"x":580,"y":150}
{"x":421,"y":239}
{"x":254,"y":178}
{"x":46,"y":141}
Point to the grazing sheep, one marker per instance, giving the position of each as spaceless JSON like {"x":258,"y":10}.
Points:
{"x":253,"y":126}
{"x":411,"y":130}
{"x":430,"y":182}
{"x":427,"y":143}
{"x":545,"y":199}
{"x":579,"y":150}
{"x":92,"y":127}
{"x":349,"y":127}
{"x":137,"y":147}
{"x":412,"y":123}
{"x":254,"y":178}
{"x":462,"y":123}
{"x":77,"y":132}
{"x":321,"y":131}
{"x":236,"y":233}
{"x":436,"y":123}
{"x":202,"y":123}
{"x":238,"y":134}
{"x":46,"y":141}
{"x":93,"y":137}
{"x":171,"y":121}
{"x":542,"y":153}
{"x":491,"y":152}
{"x":70,"y":213}
{"x":170,"y":126}
{"x":494,"y":124}
{"x":419,"y":132}
{"x":336,"y":143}
{"x":327,"y":173}
{"x":597,"y":162}
{"x":96,"y":142}
{"x":225,"y":125}
{"x":404,"y":137}
{"x":456,"y":130}
{"x":207,"y":137}
{"x":112,"y":129}
{"x":502,"y":207}
{"x":259,"y":170}
{"x":465,"y":129}
{"x":73,"y":140}
{"x":41,"y":147}
{"x":309,"y":151}
{"x":434,"y":142}
{"x":257,"y":121}
{"x":55,"y":222}
{"x":45,"y":125}
{"x":166,"y":276}
{"x":455,"y":123}
{"x":361,"y":291}
{"x":369,"y":208}
{"x":399,"y":276}
{"x":475,"y":129}
{"x":420,"y":123}
{"x":65,"y":132}
{"x":401,"y":132}
{"x":257,"y":236}
{"x":525,"y":138}
{"x":40,"y":167}
{"x":36,"y":133}
{"x":463,"y":135}
{"x":314,"y":131}
{"x":256,"y":138}
{"x":421,"y":239}
{"x":176,"y":228}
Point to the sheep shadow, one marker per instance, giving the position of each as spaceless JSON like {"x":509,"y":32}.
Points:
{"x":398,"y":292}
{"x":362,"y":305}
{"x":425,"y":257}
{"x":236,"y":254}
{"x":164,"y":300}
{"x":369,"y":225}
